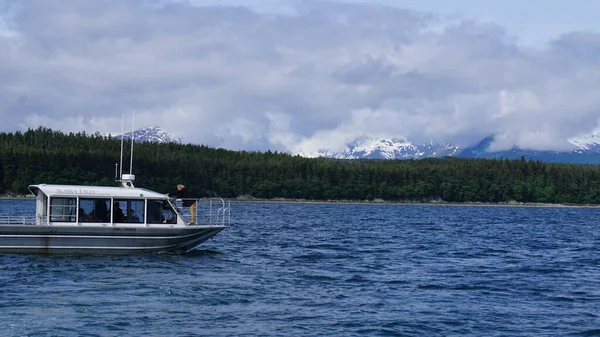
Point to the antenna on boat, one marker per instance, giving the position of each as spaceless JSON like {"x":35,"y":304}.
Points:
{"x":127,"y":179}
{"x":132,"y":139}
{"x":122,"y":138}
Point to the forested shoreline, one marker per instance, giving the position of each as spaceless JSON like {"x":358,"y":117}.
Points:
{"x":47,"y":156}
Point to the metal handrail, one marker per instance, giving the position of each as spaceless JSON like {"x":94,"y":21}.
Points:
{"x":222,"y":211}
{"x":205,"y":211}
{"x":19,"y":220}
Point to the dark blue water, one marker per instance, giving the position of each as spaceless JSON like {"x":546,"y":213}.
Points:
{"x":328,"y":270}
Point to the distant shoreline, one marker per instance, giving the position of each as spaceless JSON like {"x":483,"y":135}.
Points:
{"x":246,"y":199}
{"x":411,"y":203}
{"x":16,"y":197}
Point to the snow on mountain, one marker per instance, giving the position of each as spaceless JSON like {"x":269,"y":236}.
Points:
{"x":436,"y":149}
{"x":152,"y":134}
{"x":377,"y":148}
{"x":586,"y":150}
{"x":586,"y":143}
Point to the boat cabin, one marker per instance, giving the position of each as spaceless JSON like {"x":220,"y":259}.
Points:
{"x":103,"y":205}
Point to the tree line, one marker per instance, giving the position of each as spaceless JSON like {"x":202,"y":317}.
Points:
{"x":47,"y":156}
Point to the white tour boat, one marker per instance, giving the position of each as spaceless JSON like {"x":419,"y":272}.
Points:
{"x":111,"y":220}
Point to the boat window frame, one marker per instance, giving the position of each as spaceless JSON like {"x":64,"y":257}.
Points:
{"x":138,"y":206}
{"x":69,"y":204}
{"x":92,"y":213}
{"x":160,"y":219}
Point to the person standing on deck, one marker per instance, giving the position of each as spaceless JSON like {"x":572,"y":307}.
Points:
{"x":183,"y":193}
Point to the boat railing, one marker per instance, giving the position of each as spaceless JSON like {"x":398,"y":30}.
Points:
{"x":224,"y":212}
{"x":209,"y":211}
{"x":20,"y":220}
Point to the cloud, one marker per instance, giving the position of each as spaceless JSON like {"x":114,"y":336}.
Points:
{"x":309,"y":80}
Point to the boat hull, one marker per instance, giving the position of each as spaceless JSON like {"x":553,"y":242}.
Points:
{"x":103,"y":239}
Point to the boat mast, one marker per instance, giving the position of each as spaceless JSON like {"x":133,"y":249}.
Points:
{"x":122,"y":138}
{"x":132,"y":139}
{"x":127,"y":179}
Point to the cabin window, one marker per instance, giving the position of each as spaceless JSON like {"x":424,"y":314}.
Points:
{"x":94,"y":210}
{"x":63,"y":209}
{"x":128,"y":211}
{"x":160,"y":211}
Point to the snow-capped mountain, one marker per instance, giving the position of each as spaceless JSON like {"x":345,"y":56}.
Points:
{"x":152,"y":134}
{"x":586,"y":150}
{"x":374,"y":148}
{"x":586,"y":143}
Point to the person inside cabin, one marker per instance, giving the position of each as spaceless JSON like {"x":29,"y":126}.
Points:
{"x":118,"y":215}
{"x":168,"y":215}
{"x":83,"y":216}
{"x":132,"y":217}
{"x":100,"y":211}
{"x":155,"y":212}
{"x":184,"y":194}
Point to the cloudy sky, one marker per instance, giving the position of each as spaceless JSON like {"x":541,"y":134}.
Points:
{"x":305,"y":76}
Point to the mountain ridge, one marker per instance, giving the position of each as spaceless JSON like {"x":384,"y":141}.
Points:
{"x":380,"y":148}
{"x":586,"y":150}
{"x":152,"y":134}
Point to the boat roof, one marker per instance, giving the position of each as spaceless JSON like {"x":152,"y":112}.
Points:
{"x":95,"y":191}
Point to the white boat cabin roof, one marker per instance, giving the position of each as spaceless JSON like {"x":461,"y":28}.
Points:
{"x":95,"y":191}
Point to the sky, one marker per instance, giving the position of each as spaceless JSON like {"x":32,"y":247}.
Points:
{"x":305,"y":77}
